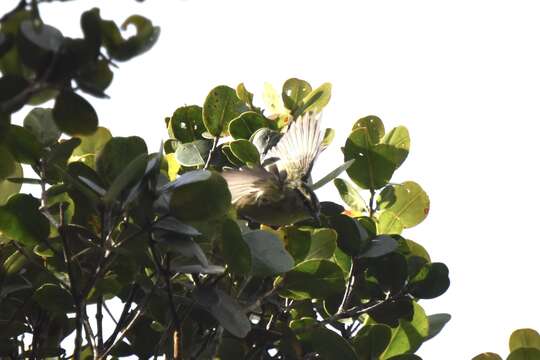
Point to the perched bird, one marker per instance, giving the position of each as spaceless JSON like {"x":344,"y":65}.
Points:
{"x":277,"y":192}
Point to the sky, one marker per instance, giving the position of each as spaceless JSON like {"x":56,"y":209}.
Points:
{"x":463,"y":76}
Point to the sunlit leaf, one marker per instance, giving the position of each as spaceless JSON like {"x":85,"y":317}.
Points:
{"x":245,"y":151}
{"x":407,"y":201}
{"x":21,"y":220}
{"x":220,"y":107}
{"x":524,"y":338}
{"x":244,"y":126}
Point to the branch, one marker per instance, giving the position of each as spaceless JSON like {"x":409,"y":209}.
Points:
{"x":212,"y":151}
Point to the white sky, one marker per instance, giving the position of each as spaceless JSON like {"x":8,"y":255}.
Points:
{"x":463,"y":76}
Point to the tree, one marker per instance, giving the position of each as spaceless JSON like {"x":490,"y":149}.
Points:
{"x":157,"y":231}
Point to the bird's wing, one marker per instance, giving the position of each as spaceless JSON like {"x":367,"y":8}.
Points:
{"x":248,"y":184}
{"x":299,"y":147}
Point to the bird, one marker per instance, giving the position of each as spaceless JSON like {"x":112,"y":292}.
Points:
{"x":277,"y":192}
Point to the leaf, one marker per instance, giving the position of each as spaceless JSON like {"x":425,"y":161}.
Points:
{"x":273,"y":102}
{"x":245,"y":151}
{"x":193,"y":153}
{"x":524,"y":354}
{"x":332,"y":175}
{"x":370,"y":170}
{"x":268,"y":255}
{"x":312,"y":279}
{"x":21,"y":220}
{"x":397,"y":143}
{"x":186,"y":247}
{"x":330,"y":345}
{"x":317,"y":99}
{"x":13,"y":264}
{"x":40,"y":123}
{"x":132,"y":173}
{"x":436,"y":324}
{"x":90,"y":146}
{"x":95,"y":78}
{"x":380,"y":246}
{"x":8,"y":188}
{"x":297,"y":242}
{"x":487,"y":356}
{"x":124,"y":49}
{"x":53,"y":298}
{"x":23,"y":145}
{"x":323,"y":244}
{"x":37,"y":42}
{"x":524,"y":338}
{"x":409,"y":335}
{"x":186,"y":124}
{"x":236,"y":252}
{"x":374,"y":126}
{"x":200,"y":197}
{"x":244,"y":95}
{"x":293,"y":93}
{"x":225,"y":309}
{"x":7,"y":165}
{"x":12,"y":86}
{"x":220,"y":107}
{"x":350,"y":195}
{"x":117,"y":153}
{"x":434,"y":283}
{"x":407,"y":201}
{"x":388,"y":223}
{"x":244,"y":126}
{"x":171,"y":224}
{"x":371,"y":341}
{"x":352,"y":237}
{"x":74,"y":115}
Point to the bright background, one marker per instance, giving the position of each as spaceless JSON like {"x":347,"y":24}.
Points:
{"x":462,"y":75}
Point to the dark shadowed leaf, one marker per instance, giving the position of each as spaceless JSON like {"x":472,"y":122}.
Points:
{"x":313,"y":279}
{"x":8,"y":188}
{"x":117,"y":153}
{"x":23,"y":145}
{"x":74,"y":115}
{"x":379,"y":246}
{"x":54,"y":298}
{"x":246,"y":124}
{"x":371,"y":341}
{"x":220,"y":107}
{"x":186,"y":124}
{"x":95,"y":78}
{"x":200,"y":197}
{"x":432,"y":282}
{"x":352,"y":237}
{"x":330,"y":345}
{"x":245,"y":151}
{"x":129,"y":176}
{"x":12,"y":86}
{"x":171,"y":224}
{"x":21,"y":220}
{"x":7,"y":165}
{"x":268,"y":255}
{"x":40,"y":122}
{"x":236,"y":251}
{"x":524,"y":354}
{"x":332,"y":175}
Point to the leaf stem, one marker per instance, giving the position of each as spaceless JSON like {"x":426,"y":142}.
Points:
{"x":212,"y":151}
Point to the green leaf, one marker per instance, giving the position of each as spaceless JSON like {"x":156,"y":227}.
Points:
{"x":436,"y":324}
{"x":173,"y":225}
{"x":323,"y":244}
{"x":57,"y":158}
{"x":117,"y":153}
{"x":193,"y":153}
{"x":371,"y":170}
{"x":74,"y":115}
{"x":268,"y":255}
{"x":371,"y":341}
{"x":21,"y":220}
{"x":246,"y":125}
{"x":406,"y":357}
{"x":409,"y":335}
{"x":245,"y":151}
{"x":317,"y":99}
{"x":12,"y":86}
{"x":293,"y":93}
{"x":23,"y":145}
{"x":40,"y":123}
{"x":95,"y":78}
{"x":380,"y":246}
{"x":37,"y":42}
{"x":186,"y":124}
{"x":124,"y":49}
{"x":53,"y":298}
{"x":225,"y":309}
{"x":13,"y":264}
{"x":313,"y":279}
{"x":524,"y":338}
{"x":350,"y":195}
{"x":524,"y":354}
{"x":352,"y":237}
{"x":388,"y":223}
{"x":90,"y":146}
{"x":244,"y":95}
{"x":200,"y":195}
{"x":487,"y":356}
{"x":374,"y":127}
{"x":396,"y":145}
{"x":273,"y":102}
{"x":408,"y":201}
{"x":329,"y":345}
{"x":332,"y":175}
{"x":297,"y":242}
{"x":236,"y":252}
{"x":220,"y":107}
{"x":7,"y":165}
{"x":434,"y":283}
{"x":8,"y":188}
{"x":133,"y":172}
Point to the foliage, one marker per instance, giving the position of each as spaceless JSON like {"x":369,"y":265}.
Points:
{"x":523,"y":344}
{"x":157,"y":232}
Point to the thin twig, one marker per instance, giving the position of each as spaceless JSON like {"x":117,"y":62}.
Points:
{"x":212,"y":151}
{"x":109,"y":313}
{"x":348,"y":290}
